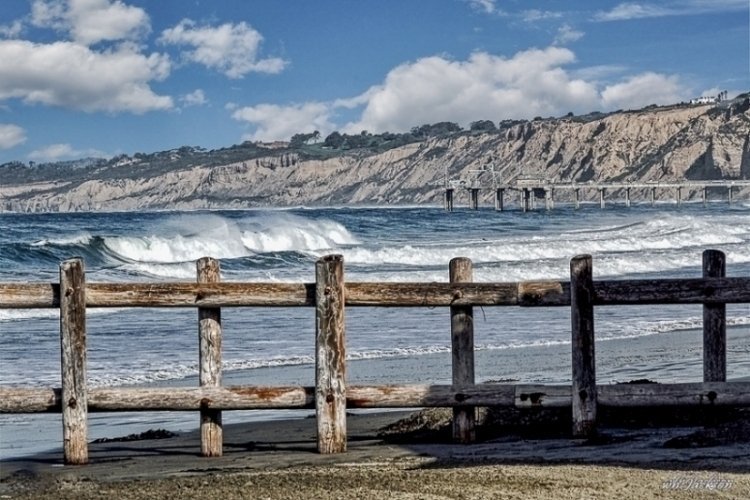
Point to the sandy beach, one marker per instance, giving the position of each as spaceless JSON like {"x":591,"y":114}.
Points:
{"x":277,"y":459}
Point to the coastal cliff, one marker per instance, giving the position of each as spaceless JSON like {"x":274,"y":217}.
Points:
{"x":673,"y":143}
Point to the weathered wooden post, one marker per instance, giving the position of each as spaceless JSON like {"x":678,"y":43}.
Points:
{"x":653,"y":196}
{"x":679,"y":196}
{"x":627,"y":197}
{"x":729,"y":194}
{"x":330,"y":354}
{"x":73,"y":357}
{"x":577,"y":196}
{"x":601,"y":197}
{"x":548,"y":203}
{"x":584,"y":367}
{"x":714,"y":323}
{"x":462,"y":348}
{"x":209,"y":362}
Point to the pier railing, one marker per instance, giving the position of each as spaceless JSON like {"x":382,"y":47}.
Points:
{"x":330,"y":295}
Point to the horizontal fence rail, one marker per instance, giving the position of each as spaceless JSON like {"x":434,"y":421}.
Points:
{"x":524,"y":294}
{"x":18,"y":400}
{"x":330,"y":295}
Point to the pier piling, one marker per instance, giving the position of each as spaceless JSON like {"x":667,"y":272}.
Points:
{"x":449,"y":199}
{"x":474,"y":198}
{"x":526,"y":200}
{"x":499,"y":195}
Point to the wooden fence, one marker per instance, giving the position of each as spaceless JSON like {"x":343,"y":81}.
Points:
{"x":330,"y":396}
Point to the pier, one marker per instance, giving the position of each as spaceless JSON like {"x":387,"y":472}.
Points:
{"x":330,"y":396}
{"x":529,"y":192}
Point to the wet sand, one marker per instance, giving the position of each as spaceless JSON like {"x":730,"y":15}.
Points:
{"x":278,"y":459}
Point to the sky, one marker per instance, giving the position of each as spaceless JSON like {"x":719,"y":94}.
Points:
{"x":82,"y":78}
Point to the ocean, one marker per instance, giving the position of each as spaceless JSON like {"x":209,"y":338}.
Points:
{"x":275,"y":345}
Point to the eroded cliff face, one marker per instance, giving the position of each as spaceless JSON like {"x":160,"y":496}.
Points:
{"x":660,"y":144}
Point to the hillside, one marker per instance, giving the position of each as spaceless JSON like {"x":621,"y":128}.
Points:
{"x":670,"y":143}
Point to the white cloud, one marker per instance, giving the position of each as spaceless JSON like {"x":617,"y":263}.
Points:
{"x":52,"y":152}
{"x":487,"y":6}
{"x":567,"y":34}
{"x":281,"y":122}
{"x":73,"y":76}
{"x":56,"y":152}
{"x":534,"y":15}
{"x":486,"y":86}
{"x":11,"y":135}
{"x":194,"y":98}
{"x":599,"y":72}
{"x":355,"y":102}
{"x":48,"y":14}
{"x":627,"y":11}
{"x":642,"y":90}
{"x":632,"y":10}
{"x":91,"y":21}
{"x":12,"y":30}
{"x":230,"y":48}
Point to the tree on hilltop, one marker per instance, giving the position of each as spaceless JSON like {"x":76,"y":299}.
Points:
{"x":482,"y":126}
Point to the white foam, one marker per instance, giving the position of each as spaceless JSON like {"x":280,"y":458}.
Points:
{"x":191,"y":237}
{"x":182,"y":239}
{"x":286,"y":232}
{"x":24,"y":314}
{"x":83,"y":238}
{"x":652,"y":245}
{"x":8,"y":315}
{"x":164,"y":372}
{"x":180,"y":270}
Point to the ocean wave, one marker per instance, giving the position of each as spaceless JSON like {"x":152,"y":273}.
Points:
{"x":643,"y":246}
{"x":74,"y":240}
{"x":187,"y":237}
{"x":293,"y":233}
{"x":220,"y":238}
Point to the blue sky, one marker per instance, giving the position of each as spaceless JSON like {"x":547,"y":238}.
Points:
{"x":105,"y":77}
